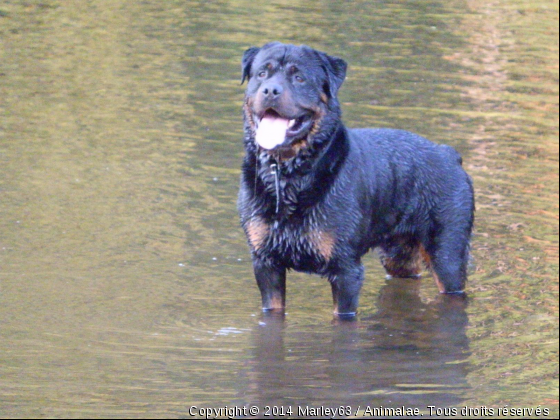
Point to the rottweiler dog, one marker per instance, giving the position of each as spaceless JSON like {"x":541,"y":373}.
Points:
{"x":316,"y":196}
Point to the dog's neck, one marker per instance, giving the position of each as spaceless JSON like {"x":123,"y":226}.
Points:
{"x":289,"y":182}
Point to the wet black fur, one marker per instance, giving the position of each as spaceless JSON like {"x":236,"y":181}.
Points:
{"x":351,"y":190}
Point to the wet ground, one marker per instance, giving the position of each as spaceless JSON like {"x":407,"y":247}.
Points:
{"x":126,"y":288}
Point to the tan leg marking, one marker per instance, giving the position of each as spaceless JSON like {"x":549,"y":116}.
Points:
{"x":257,"y":232}
{"x":276,"y":303}
{"x":428,"y":260}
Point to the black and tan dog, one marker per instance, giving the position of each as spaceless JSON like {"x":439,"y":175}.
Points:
{"x":316,"y":196}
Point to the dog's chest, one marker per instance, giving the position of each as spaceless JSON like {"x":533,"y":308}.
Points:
{"x":302,"y":245}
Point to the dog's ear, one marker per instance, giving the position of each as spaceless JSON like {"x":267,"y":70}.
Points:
{"x":247,"y":61}
{"x":335,"y":68}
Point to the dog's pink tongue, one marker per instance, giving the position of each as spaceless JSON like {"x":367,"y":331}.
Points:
{"x":271,"y":132}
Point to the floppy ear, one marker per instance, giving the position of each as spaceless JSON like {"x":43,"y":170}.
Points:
{"x":247,"y":61}
{"x":335,"y":68}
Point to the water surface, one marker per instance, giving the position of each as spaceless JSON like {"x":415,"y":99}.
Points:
{"x":126,"y":288}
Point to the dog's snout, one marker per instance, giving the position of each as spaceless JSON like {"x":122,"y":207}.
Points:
{"x":272,"y":90}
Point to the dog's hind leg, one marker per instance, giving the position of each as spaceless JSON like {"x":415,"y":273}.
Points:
{"x":448,"y":258}
{"x":402,"y":258}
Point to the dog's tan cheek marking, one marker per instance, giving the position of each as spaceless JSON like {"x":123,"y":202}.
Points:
{"x":324,"y":98}
{"x":248,"y":106}
{"x":323,"y":243}
{"x":299,"y":146}
{"x":319,"y":115}
{"x":257,"y":232}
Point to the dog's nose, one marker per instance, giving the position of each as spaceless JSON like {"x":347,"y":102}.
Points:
{"x":272,"y":90}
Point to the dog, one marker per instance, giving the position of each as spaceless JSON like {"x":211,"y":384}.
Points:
{"x":315,"y":196}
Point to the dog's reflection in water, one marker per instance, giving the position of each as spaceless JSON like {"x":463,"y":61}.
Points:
{"x":408,"y":353}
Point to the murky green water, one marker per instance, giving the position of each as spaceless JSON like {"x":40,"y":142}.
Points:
{"x":125,"y":284}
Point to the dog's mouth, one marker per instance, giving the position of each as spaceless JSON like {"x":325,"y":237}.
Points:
{"x":274,"y":130}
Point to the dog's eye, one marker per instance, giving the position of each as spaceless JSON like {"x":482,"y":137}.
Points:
{"x":299,"y":78}
{"x":262,"y":74}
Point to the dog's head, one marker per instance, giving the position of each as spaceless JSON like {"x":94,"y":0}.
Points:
{"x":291,"y":95}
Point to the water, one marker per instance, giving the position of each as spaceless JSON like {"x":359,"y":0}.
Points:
{"x":126,"y":288}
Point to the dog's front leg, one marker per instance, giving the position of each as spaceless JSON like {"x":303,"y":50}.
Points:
{"x":272,"y":284}
{"x":346,"y":285}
